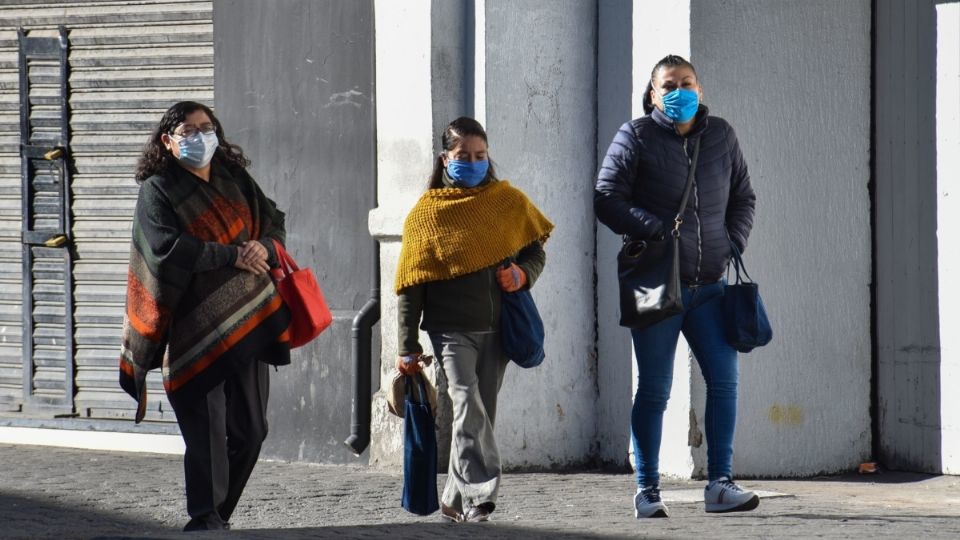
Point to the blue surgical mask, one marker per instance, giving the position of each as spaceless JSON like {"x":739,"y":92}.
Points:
{"x":681,"y":105}
{"x":467,"y":174}
{"x":197,"y":151}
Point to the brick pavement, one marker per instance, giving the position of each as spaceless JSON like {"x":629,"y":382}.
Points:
{"x":63,"y":493}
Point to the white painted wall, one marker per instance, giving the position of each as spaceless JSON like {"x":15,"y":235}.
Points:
{"x":793,"y":78}
{"x":948,"y":228}
{"x":660,"y":29}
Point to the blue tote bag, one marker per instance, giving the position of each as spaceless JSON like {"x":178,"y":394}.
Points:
{"x":419,"y":451}
{"x":521,"y":329}
{"x":745,"y":319}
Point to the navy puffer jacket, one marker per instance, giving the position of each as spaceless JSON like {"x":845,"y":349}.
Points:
{"x":641,"y":182}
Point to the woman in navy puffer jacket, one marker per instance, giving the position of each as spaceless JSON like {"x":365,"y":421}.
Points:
{"x":638,"y":192}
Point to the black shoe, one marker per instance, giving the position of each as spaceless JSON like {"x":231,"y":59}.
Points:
{"x":209,"y":522}
{"x":481,"y":512}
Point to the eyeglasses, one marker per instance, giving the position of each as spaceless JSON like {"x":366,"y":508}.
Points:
{"x":189,"y":130}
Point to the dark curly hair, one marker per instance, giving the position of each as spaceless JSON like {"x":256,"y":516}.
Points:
{"x":156,"y":159}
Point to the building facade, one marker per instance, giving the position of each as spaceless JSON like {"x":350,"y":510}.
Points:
{"x":846,"y":111}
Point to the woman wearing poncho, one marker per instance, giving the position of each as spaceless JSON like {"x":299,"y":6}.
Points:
{"x":201,"y":305}
{"x":449,"y":273}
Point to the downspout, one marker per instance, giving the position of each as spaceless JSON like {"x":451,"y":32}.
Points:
{"x":369,"y":314}
{"x":362,"y":347}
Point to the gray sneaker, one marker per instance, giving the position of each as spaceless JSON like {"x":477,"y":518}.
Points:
{"x":722,"y":495}
{"x":647,"y":503}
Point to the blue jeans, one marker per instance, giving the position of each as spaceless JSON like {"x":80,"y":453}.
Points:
{"x":702,"y":325}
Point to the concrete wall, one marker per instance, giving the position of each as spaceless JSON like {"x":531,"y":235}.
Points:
{"x":294,"y":87}
{"x":541,"y":122}
{"x":907,"y":329}
{"x":793,"y":78}
{"x":948,"y":227}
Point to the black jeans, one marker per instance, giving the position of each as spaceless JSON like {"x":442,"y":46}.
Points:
{"x":223,"y":431}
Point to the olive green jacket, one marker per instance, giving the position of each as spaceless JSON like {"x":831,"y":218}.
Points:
{"x":468,"y":303}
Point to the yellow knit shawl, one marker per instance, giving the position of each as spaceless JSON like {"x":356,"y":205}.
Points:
{"x":452,"y":232}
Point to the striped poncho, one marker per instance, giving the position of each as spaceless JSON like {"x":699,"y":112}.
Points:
{"x":189,"y":310}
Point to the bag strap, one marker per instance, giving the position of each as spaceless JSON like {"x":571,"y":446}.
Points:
{"x":678,"y":219}
{"x":736,"y":259}
{"x":284,"y":260}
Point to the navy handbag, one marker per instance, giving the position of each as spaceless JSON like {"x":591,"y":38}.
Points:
{"x":745,"y":319}
{"x":521,"y":328}
{"x":419,"y":451}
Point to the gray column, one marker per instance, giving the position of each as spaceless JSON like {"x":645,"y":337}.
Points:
{"x":615,"y":365}
{"x":541,"y":119}
{"x":907,"y":332}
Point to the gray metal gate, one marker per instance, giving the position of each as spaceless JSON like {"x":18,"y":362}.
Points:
{"x":128,"y":62}
{"x":47,"y":279}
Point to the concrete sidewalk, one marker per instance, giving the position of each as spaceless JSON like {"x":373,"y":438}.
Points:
{"x":63,"y":493}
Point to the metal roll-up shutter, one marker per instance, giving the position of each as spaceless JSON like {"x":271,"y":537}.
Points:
{"x":129,"y":61}
{"x":11,"y":288}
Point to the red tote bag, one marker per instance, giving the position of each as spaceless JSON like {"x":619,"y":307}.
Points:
{"x":301,"y":293}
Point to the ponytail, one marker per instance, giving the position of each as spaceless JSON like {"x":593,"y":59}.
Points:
{"x":436,"y":179}
{"x":647,"y":99}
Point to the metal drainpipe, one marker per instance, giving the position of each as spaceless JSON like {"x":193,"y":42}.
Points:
{"x":363,"y":323}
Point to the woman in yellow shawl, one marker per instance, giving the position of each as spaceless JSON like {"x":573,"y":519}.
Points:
{"x":454,"y":241}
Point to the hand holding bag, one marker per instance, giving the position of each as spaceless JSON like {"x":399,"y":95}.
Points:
{"x":309,"y":314}
{"x":521,"y":328}
{"x":397,"y":391}
{"x":419,"y":452}
{"x":649,"y":270}
{"x":744,"y":317}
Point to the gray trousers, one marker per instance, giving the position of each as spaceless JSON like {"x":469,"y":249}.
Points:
{"x":473,"y":364}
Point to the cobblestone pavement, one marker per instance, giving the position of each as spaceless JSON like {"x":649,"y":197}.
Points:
{"x":62,"y":493}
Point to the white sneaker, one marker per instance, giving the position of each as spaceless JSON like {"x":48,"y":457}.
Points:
{"x":722,"y":495}
{"x":647,"y":503}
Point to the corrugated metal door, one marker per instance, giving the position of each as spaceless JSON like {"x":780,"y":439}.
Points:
{"x":47,"y":337}
{"x":129,"y":61}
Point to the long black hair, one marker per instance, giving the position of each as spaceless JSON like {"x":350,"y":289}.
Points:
{"x":454,"y":133}
{"x":671,"y":60}
{"x":156,"y":159}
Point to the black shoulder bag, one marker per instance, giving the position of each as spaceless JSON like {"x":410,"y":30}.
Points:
{"x":649,"y":270}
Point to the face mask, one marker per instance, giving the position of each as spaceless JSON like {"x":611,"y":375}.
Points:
{"x":681,"y":105}
{"x":467,"y":174}
{"x":197,"y":151}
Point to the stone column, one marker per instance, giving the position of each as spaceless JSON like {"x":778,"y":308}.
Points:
{"x":541,"y":120}
{"x":404,"y":151}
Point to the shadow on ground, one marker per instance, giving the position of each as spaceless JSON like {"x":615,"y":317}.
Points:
{"x":35,"y":518}
{"x":25,"y":517}
{"x":883,"y":476}
{"x":418,"y":531}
